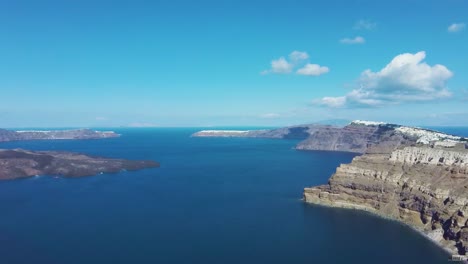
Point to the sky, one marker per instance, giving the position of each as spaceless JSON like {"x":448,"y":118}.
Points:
{"x":232,"y":63}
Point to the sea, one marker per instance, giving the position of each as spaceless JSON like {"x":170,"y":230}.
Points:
{"x":213,"y":200}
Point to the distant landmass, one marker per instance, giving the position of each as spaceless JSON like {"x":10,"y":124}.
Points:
{"x":413,"y":175}
{"x":357,"y":137}
{"x":10,"y":135}
{"x":19,"y":163}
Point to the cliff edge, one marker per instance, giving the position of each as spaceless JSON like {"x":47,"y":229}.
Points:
{"x":424,"y":186}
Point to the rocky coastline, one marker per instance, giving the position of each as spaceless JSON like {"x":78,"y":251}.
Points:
{"x":416,"y":176}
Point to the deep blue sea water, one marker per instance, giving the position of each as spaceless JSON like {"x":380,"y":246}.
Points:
{"x":214,"y":200}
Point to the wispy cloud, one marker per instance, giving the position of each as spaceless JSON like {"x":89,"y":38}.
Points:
{"x":355,"y":40}
{"x":365,"y":24}
{"x":270,"y":115}
{"x":298,"y":56}
{"x":456,"y":27}
{"x":296,"y":60}
{"x":407,"y":78}
{"x":281,"y":65}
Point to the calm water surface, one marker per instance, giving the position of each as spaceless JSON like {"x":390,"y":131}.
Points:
{"x":214,"y":200}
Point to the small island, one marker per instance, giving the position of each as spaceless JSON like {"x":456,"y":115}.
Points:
{"x":10,"y":135}
{"x":19,"y":163}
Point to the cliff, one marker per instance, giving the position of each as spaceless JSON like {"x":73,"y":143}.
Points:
{"x":413,"y":175}
{"x":20,"y":163}
{"x":357,"y":137}
{"x":424,"y":186}
{"x":371,"y":137}
{"x":9,"y":135}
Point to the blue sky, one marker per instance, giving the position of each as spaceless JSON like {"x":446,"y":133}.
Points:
{"x":218,"y":63}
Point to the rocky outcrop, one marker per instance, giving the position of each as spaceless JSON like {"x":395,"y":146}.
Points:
{"x":20,"y":163}
{"x":424,"y":186}
{"x":9,"y":135}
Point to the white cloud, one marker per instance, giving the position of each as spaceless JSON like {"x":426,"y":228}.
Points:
{"x":297,"y":59}
{"x":356,"y":40}
{"x":456,"y":27}
{"x":270,"y":115}
{"x":364,"y":24}
{"x":334,"y":102}
{"x":297,"y":56}
{"x":407,"y":78}
{"x":313,"y":70}
{"x":281,"y":65}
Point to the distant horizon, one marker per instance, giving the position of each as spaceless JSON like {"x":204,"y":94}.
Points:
{"x":212,"y":126}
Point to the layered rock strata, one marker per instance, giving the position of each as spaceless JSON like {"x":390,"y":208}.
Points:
{"x":424,"y":186}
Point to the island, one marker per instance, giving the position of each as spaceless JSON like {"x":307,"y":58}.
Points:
{"x":292,"y":132}
{"x":413,"y":175}
{"x":10,"y":135}
{"x":19,"y":163}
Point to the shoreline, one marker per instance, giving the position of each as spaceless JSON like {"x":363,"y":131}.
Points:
{"x":374,"y":213}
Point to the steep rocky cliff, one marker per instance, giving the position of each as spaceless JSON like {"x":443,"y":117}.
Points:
{"x":413,"y":175}
{"x":358,"y":136}
{"x":425,"y":186}
{"x":370,"y":137}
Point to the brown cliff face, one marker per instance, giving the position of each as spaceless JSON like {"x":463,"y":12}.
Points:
{"x":425,"y":187}
{"x":20,"y":163}
{"x":356,"y":138}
